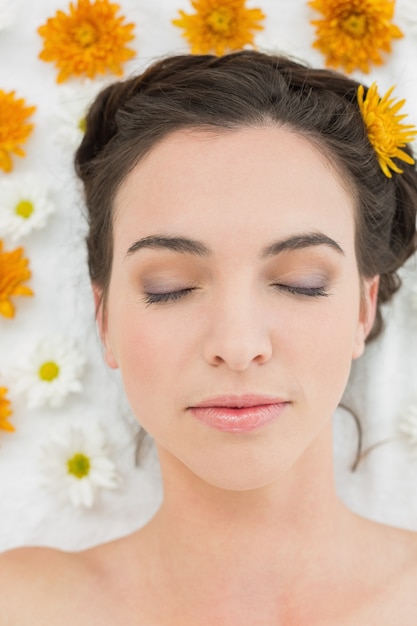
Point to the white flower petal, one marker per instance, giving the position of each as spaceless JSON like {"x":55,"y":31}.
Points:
{"x":74,"y":493}
{"x":62,"y":446}
{"x":28,"y":189}
{"x":74,"y":104}
{"x":86,"y":491}
{"x":62,"y":351}
{"x":104,"y":481}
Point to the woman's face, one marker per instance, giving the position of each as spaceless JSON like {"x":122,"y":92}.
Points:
{"x":234,"y":274}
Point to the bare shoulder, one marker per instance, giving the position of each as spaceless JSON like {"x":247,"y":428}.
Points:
{"x":36,"y":584}
{"x":394,"y":551}
{"x":31,"y":567}
{"x":407,"y":583}
{"x":393,"y":563}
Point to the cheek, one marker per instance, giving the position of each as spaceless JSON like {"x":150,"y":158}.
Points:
{"x":324,"y":347}
{"x":160,"y":352}
{"x":151,"y":355}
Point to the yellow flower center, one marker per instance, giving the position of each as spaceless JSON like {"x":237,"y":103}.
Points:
{"x":24,"y":209}
{"x":355,"y":24}
{"x":82,"y":124}
{"x":85,"y":34}
{"x":79,"y":465}
{"x":220,"y":21}
{"x":48,"y":371}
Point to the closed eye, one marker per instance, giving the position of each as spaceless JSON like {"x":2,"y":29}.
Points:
{"x":167,"y":296}
{"x":173,"y":296}
{"x":311,"y":292}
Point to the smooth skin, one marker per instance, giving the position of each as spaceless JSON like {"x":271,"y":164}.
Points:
{"x":266,"y":299}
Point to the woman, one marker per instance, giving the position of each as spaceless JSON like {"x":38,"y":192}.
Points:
{"x":244,"y":232}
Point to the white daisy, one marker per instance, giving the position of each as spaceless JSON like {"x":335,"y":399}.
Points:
{"x":51,"y":372}
{"x":74,"y":104}
{"x":24,"y":206}
{"x":75,"y":464}
{"x":7,"y":14}
{"x":408,"y":426}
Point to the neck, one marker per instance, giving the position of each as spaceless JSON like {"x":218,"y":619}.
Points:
{"x":277,"y":528}
{"x":287,"y":553}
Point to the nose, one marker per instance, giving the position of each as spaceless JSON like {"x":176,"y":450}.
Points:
{"x":238,"y":334}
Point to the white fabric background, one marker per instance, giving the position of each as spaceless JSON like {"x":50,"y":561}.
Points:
{"x":383,"y":385}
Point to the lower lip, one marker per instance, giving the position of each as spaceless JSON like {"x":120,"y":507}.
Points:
{"x":242,"y":420}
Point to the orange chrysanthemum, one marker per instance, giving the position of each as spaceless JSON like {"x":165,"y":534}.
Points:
{"x":13,"y":272}
{"x":386,"y":132}
{"x":353,"y":32}
{"x":219,"y":26}
{"x":90,"y":40}
{"x":14,"y":130}
{"x":5,"y":411}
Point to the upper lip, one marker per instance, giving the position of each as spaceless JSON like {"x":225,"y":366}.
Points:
{"x":234,"y":401}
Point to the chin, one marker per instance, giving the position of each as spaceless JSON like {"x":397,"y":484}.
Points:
{"x":244,"y":476}
{"x":233,"y":466}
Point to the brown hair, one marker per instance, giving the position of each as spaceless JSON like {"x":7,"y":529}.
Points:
{"x":247,"y":89}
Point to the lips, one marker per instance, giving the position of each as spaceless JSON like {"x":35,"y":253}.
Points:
{"x":238,"y":414}
{"x":238,"y":402}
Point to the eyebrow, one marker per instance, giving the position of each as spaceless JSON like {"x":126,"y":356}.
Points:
{"x":185,"y":245}
{"x":176,"y":244}
{"x":298,"y":242}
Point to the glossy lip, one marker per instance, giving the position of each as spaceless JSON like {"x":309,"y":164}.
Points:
{"x":238,"y":414}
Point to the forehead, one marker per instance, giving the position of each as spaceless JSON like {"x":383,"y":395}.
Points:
{"x":248,"y":180}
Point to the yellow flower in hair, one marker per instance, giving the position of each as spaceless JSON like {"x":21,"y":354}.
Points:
{"x":352,"y":33}
{"x":219,"y":26}
{"x":386,"y":132}
{"x":89,"y":40}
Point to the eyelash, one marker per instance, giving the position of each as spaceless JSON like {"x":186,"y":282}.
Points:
{"x":310,"y":292}
{"x":169,"y":296}
{"x":173,"y":296}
